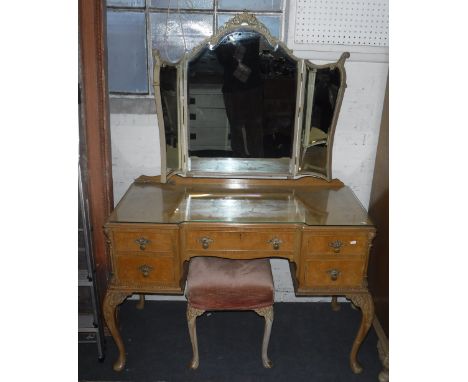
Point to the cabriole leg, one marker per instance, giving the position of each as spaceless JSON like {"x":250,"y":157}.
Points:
{"x":335,"y":305}
{"x":268,"y":314}
{"x":192,"y":314}
{"x":365,"y":302}
{"x":111,"y":301}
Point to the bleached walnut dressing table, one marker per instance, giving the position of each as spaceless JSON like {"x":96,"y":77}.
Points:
{"x":257,"y":183}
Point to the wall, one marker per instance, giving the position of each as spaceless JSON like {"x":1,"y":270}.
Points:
{"x":135,"y":149}
{"x":135,"y":143}
{"x":357,"y":131}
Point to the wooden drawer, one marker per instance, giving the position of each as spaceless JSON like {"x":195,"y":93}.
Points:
{"x":329,"y":273}
{"x":145,"y":269}
{"x":145,"y":240}
{"x":248,"y":240}
{"x":336,"y":243}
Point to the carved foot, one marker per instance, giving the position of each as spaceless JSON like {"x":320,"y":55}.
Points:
{"x":384,"y":376}
{"x":111,"y":301}
{"x":141,"y":303}
{"x":268,"y":314}
{"x":192,"y":314}
{"x":365,"y":302}
{"x":194,"y":363}
{"x":120,"y":363}
{"x":356,"y":367}
{"x":383,"y":355}
{"x":335,"y":305}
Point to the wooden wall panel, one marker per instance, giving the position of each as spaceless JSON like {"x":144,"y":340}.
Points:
{"x":97,"y":157}
{"x":378,"y":210}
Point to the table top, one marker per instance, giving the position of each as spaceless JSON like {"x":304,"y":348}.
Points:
{"x":176,"y":203}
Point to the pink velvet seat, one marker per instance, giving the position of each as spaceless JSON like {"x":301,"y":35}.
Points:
{"x":224,"y":284}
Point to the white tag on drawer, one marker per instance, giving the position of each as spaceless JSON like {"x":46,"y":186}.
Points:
{"x":353,"y":242}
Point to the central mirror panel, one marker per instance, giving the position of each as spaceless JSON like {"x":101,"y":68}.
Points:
{"x":241,"y":105}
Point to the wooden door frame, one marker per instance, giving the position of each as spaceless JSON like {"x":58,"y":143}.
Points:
{"x":97,"y":149}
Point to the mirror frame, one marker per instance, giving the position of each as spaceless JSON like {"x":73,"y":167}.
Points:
{"x":242,"y":22}
{"x":331,"y":133}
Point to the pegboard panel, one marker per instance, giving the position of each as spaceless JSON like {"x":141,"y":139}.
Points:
{"x":342,"y":22}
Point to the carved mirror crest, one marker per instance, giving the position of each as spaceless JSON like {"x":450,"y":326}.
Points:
{"x":242,"y":105}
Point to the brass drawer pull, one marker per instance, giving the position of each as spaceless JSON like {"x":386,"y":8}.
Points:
{"x":275,"y":242}
{"x":336,"y":245}
{"x":205,"y":242}
{"x":145,"y":269}
{"x":334,"y":273}
{"x":142,"y":242}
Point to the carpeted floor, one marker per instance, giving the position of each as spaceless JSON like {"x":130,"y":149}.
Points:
{"x":309,"y":342}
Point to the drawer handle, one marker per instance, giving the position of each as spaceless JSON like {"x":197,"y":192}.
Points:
{"x":336,"y":245}
{"x":334,"y":273}
{"x":205,"y":242}
{"x":142,"y":242}
{"x":275,"y":242}
{"x":145,"y":269}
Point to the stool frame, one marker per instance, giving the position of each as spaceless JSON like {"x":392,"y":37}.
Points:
{"x":193,"y":313}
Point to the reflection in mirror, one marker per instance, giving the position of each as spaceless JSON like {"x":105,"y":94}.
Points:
{"x":168,"y":86}
{"x":241,"y":98}
{"x":241,"y":207}
{"x":321,"y":93}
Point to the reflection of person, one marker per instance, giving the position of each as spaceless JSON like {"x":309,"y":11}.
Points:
{"x":243,"y":94}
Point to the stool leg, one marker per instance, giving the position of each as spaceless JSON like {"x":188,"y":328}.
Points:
{"x":192,"y":314}
{"x":268,"y":314}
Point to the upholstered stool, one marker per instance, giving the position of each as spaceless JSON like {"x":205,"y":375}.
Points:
{"x":223,"y":284}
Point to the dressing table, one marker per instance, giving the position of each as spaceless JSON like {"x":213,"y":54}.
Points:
{"x":246,"y":133}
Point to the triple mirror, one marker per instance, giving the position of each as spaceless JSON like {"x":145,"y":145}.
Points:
{"x":242,"y":105}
